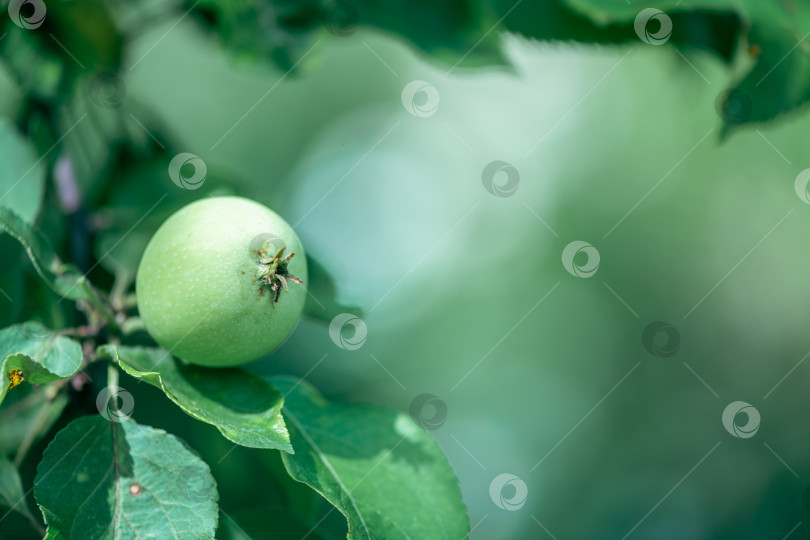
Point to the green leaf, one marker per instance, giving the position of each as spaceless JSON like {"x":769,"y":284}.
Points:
{"x":22,"y":174}
{"x":244,"y":408}
{"x":282,"y":31}
{"x":20,"y":409}
{"x":253,"y":29}
{"x":455,"y":31}
{"x":11,"y":490}
{"x":716,"y":32}
{"x":354,"y":454}
{"x":54,"y":535}
{"x":64,"y":279}
{"x":41,"y":355}
{"x":101,"y":479}
{"x":778,"y":81}
{"x":322,"y":301}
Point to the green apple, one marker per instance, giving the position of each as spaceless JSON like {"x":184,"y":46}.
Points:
{"x":220,"y":282}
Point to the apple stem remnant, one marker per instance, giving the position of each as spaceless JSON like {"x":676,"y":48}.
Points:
{"x":273,"y":272}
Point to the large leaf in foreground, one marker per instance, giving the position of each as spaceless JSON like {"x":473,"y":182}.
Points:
{"x":245,"y":408}
{"x":101,"y":479}
{"x":41,"y":355}
{"x":380,"y":470}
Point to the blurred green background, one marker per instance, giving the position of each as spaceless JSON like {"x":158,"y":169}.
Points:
{"x":616,"y":146}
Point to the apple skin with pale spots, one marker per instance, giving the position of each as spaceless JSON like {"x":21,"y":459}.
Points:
{"x":197,"y":284}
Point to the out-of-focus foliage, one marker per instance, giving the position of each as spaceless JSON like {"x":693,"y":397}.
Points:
{"x":449,"y":276}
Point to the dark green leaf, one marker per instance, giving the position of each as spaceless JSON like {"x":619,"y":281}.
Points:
{"x":63,"y":279}
{"x":457,"y":31}
{"x":11,"y":280}
{"x":101,"y":479}
{"x":355,"y":454}
{"x":553,"y":20}
{"x":39,"y":353}
{"x":245,"y":408}
{"x":454,"y":31}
